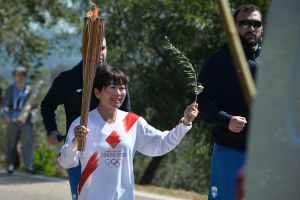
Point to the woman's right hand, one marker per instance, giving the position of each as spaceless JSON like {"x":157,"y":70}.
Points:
{"x":190,"y":113}
{"x":80,"y":133}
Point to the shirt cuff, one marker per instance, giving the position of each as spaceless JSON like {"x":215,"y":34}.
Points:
{"x":188,"y":124}
{"x":72,"y":146}
{"x":224,"y":119}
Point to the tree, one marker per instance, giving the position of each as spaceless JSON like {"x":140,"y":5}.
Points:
{"x":25,"y":26}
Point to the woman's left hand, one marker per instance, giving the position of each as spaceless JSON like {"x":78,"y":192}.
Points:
{"x":190,"y":113}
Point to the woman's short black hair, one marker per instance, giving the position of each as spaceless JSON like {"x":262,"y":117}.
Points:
{"x":106,"y":74}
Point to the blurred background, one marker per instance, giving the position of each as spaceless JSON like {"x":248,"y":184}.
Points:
{"x":45,"y":37}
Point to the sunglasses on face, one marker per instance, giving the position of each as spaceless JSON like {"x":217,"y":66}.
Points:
{"x":248,"y":23}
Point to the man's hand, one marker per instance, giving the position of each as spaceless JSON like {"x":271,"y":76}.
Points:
{"x":53,"y":138}
{"x":237,"y":124}
{"x":190,"y":113}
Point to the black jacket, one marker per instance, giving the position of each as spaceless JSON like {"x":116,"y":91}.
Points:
{"x":223,"y":97}
{"x":66,"y":90}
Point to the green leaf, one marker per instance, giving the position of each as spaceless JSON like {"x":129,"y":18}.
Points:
{"x":188,"y":68}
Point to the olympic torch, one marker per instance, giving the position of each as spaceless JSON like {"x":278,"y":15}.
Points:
{"x":92,"y":38}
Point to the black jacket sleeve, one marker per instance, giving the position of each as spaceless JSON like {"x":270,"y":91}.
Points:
{"x":53,"y":98}
{"x":126,"y":104}
{"x":211,"y":77}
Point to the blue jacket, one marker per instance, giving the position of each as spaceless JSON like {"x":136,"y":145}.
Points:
{"x":223,"y":97}
{"x":11,"y":107}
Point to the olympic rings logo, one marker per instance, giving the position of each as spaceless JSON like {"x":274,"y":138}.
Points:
{"x":113,"y":162}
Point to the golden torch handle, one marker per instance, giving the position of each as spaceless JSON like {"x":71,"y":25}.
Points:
{"x":93,"y":35}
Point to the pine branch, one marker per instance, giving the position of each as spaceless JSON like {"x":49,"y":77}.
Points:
{"x":188,"y":68}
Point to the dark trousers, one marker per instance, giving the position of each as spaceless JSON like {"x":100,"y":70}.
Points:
{"x":14,"y":133}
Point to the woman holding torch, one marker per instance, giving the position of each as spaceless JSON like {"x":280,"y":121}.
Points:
{"x":112,"y":138}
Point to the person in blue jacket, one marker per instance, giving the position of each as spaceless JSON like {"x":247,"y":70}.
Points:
{"x":224,"y":106}
{"x":14,"y":100}
{"x":66,"y":90}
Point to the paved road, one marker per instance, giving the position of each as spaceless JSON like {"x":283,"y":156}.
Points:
{"x":21,"y":186}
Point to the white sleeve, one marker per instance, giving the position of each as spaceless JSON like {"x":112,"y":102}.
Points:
{"x":153,"y":142}
{"x":69,"y":156}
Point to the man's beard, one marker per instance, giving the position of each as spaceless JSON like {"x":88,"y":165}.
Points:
{"x":249,"y":43}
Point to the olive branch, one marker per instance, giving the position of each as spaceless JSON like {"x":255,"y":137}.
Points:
{"x":188,"y":68}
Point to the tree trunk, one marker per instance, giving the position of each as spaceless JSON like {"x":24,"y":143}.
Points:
{"x":150,"y":170}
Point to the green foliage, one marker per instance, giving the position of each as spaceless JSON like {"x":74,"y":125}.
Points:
{"x":135,"y":31}
{"x":45,"y":159}
{"x":188,"y":68}
{"x":25,"y":25}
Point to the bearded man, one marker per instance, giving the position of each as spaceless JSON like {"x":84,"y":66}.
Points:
{"x":224,"y":106}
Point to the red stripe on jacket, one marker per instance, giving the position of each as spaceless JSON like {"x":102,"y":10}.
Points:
{"x":88,"y":170}
{"x":129,"y":121}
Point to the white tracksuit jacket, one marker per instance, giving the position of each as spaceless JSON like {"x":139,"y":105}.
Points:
{"x":107,"y":162}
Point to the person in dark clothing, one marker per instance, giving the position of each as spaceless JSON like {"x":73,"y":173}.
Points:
{"x":14,"y":100}
{"x":0,"y":94}
{"x":66,"y":90}
{"x":224,"y":105}
{"x":1,"y":89}
{"x":17,"y":162}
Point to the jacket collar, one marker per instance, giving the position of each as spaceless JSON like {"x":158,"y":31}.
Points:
{"x":248,"y":53}
{"x":78,"y":67}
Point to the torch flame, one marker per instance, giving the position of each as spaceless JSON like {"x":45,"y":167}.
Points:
{"x":94,"y":12}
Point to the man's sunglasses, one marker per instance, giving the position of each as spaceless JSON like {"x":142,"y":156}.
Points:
{"x":248,"y":23}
